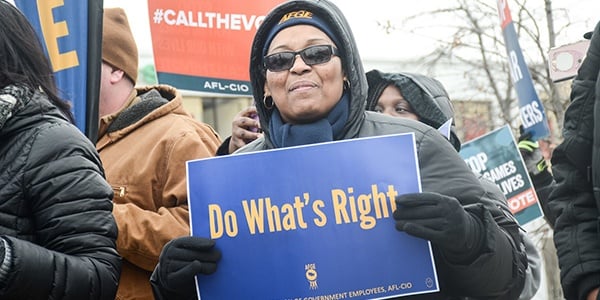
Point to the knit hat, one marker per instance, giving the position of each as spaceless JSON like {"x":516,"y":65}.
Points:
{"x":299,"y":17}
{"x":118,"y":46}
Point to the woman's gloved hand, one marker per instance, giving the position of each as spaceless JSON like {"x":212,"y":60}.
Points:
{"x":442,"y":220}
{"x":180,"y":260}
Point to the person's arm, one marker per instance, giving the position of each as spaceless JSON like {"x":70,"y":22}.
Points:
{"x":70,"y":253}
{"x":573,"y":201}
{"x":537,"y":168}
{"x":143,"y":232}
{"x":492,"y":265}
{"x":575,"y":229}
{"x":180,"y":260}
{"x":533,"y":272}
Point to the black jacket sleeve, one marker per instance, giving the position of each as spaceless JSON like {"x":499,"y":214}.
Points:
{"x":498,"y":271}
{"x":544,"y":185}
{"x":73,"y":254}
{"x":572,"y":201}
{"x":224,"y":147}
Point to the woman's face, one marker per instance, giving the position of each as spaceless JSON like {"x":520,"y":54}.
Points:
{"x":304,"y":94}
{"x":392,"y":103}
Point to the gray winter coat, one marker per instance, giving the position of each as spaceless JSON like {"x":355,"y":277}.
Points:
{"x":496,"y":270}
{"x":430,"y":101}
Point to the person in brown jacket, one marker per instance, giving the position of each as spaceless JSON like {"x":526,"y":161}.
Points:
{"x":145,"y":139}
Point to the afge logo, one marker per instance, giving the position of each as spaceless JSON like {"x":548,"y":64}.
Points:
{"x":311,"y":275}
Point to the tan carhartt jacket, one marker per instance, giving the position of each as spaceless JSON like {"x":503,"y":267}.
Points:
{"x":144,"y":148}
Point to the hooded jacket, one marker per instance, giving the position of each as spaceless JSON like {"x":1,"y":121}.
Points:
{"x":55,"y":209}
{"x":144,"y":149}
{"x":496,"y":271}
{"x":427,"y":96}
{"x":575,"y":200}
{"x":430,"y":101}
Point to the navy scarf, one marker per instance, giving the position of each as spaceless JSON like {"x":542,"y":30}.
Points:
{"x":287,"y":135}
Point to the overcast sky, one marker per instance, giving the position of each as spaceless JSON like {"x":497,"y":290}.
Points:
{"x":363,"y":16}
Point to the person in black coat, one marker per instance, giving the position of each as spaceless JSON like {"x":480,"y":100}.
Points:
{"x":57,"y":233}
{"x":576,"y":169}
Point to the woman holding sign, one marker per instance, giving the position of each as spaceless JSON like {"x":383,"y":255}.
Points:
{"x":310,"y":87}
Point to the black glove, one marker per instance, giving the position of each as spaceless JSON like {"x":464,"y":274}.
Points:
{"x":180,"y":260}
{"x":443,"y":221}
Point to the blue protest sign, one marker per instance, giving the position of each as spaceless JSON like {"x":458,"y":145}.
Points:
{"x":311,"y":221}
{"x":533,"y":116}
{"x":496,"y":157}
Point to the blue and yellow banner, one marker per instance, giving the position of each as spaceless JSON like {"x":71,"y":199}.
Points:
{"x":311,"y":222}
{"x":71,"y":33}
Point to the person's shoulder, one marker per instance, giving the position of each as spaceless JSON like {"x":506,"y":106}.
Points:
{"x":179,"y":123}
{"x":377,"y":123}
{"x":426,"y":137}
{"x":56,"y":139}
{"x":60,"y":132}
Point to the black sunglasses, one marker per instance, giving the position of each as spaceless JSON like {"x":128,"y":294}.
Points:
{"x":312,"y":55}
